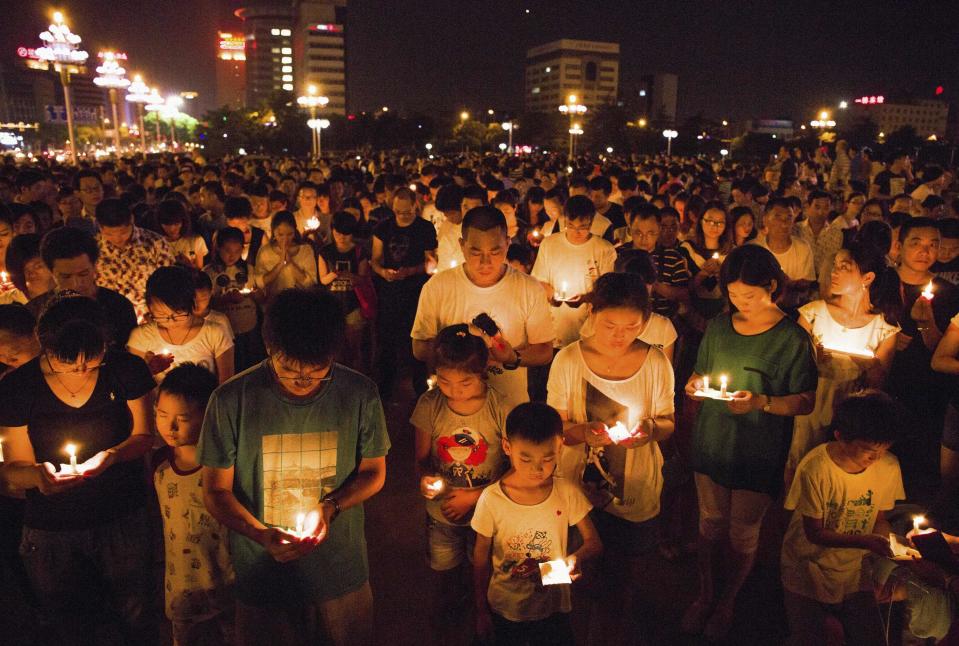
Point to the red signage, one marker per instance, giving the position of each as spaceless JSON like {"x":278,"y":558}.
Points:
{"x":871,"y":100}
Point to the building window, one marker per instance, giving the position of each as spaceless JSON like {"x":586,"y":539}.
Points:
{"x":286,"y":60}
{"x":591,"y":71}
{"x":287,"y":50}
{"x":288,"y":87}
{"x":535,"y":90}
{"x":284,"y":32}
{"x":274,"y":32}
{"x":287,"y":69}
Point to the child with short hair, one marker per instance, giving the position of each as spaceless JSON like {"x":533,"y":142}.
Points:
{"x":840,"y":495}
{"x":459,"y":426}
{"x":522,"y":522}
{"x":203,"y":297}
{"x":190,"y":248}
{"x":198,"y":572}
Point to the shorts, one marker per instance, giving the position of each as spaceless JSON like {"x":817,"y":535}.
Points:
{"x":625,"y":538}
{"x":448,"y":545}
{"x":950,"y":428}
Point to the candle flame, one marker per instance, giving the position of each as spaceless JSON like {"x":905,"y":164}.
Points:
{"x":71,"y":449}
{"x":716,"y":256}
{"x":917,"y":521}
{"x":313,"y":223}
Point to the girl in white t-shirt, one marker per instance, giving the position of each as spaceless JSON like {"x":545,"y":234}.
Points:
{"x":459,"y":424}
{"x":615,"y":394}
{"x":189,"y":248}
{"x":175,"y":335}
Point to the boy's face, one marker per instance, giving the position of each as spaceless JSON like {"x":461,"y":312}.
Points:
{"x":577,"y":231}
{"x":669,"y":230}
{"x":645,"y":233}
{"x":533,"y":463}
{"x":861,"y":453}
{"x":948,"y":249}
{"x":459,"y":385}
{"x":230,"y":252}
{"x":178,"y":420}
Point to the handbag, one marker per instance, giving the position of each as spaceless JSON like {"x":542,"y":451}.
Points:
{"x":365,"y":293}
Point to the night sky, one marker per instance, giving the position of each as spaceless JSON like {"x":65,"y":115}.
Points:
{"x":734,"y":60}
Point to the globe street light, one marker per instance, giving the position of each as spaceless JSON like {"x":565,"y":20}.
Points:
{"x":139,"y":93}
{"x":61,"y":49}
{"x":317,"y":126}
{"x":464,"y":115}
{"x":509,"y":126}
{"x":670,"y":135}
{"x":576,"y":129}
{"x":113,"y":77}
{"x":572,"y":109}
{"x":313,"y":100}
{"x":170,"y":110}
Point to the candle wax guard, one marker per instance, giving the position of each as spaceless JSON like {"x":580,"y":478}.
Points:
{"x":712,"y":393}
{"x":554,"y":572}
{"x":865,"y":353}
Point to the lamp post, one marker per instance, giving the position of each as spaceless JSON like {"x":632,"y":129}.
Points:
{"x":312,"y":100}
{"x":575,"y":130}
{"x":61,"y":48}
{"x":113,"y":77}
{"x":670,"y":135}
{"x":509,"y":126}
{"x":170,"y":110}
{"x":572,"y":108}
{"x":317,"y":126}
{"x":139,"y":93}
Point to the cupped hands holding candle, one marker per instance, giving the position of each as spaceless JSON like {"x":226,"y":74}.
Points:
{"x":310,"y":529}
{"x":432,"y":486}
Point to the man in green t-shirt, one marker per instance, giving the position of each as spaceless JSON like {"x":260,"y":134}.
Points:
{"x":290,"y":450}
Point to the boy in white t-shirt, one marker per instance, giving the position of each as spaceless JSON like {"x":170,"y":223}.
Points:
{"x":840,"y":495}
{"x":568,"y":264}
{"x":521,"y":526}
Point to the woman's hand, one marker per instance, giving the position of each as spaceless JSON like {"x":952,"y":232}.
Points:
{"x":98,"y":463}
{"x":596,"y":435}
{"x":50,"y":483}
{"x":694,"y":384}
{"x":743,"y":402}
{"x":922,"y":312}
{"x":158,"y":362}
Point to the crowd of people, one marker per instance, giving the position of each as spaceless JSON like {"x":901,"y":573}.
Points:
{"x":196,"y":357}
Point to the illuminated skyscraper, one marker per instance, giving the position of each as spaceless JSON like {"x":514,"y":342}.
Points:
{"x":230,"y":70}
{"x":268,"y":31}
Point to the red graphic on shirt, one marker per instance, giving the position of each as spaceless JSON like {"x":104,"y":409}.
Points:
{"x":462,"y":448}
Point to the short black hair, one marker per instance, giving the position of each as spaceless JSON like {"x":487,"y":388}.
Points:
{"x":457,"y":349}
{"x":65,"y":243}
{"x":753,"y":265}
{"x":484,"y":218}
{"x":172,"y":286}
{"x":70,"y":326}
{"x":237,"y":207}
{"x":637,"y":207}
{"x":869,"y":415}
{"x":345,"y":223}
{"x":534,"y":422}
{"x":474,"y":192}
{"x":114,"y":212}
{"x":817,"y":194}
{"x":305,"y":325}
{"x":640,"y":263}
{"x":190,"y":382}
{"x":505,"y":197}
{"x":216,"y":188}
{"x":601,"y":183}
{"x":228,"y":234}
{"x":86,"y":172}
{"x":27,"y":178}
{"x":949,"y":228}
{"x":626,"y":290}
{"x":580,"y":207}
{"x":916,"y":223}
{"x":170,"y":212}
{"x":520,"y":253}
{"x":201,"y":280}
{"x":17,"y":320}
{"x":449,"y":198}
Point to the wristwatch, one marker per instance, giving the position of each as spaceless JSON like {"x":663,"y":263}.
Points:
{"x":513,"y":365}
{"x":768,"y":405}
{"x":336,"y":506}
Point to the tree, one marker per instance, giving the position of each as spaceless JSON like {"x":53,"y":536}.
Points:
{"x":607,"y":127}
{"x":862,"y":132}
{"x":469,"y":134}
{"x":905,"y":138}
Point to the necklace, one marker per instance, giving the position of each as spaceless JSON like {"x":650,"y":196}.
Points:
{"x":183,"y":340}
{"x":73,"y":393}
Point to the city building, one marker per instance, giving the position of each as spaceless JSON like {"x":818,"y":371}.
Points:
{"x":319,"y":50}
{"x":656,"y":98}
{"x":588,"y":70}
{"x":268,"y":31}
{"x":31,"y":92}
{"x":231,"y":70}
{"x":778,"y":128}
{"x":927,"y":116}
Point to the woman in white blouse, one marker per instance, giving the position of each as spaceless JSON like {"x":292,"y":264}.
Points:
{"x":286,"y":261}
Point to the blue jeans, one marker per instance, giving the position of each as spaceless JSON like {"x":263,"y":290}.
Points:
{"x":91,"y":581}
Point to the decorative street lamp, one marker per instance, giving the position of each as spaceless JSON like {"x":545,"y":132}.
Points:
{"x":61,"y":49}
{"x":113,"y":77}
{"x":577,"y":129}
{"x":317,"y":126}
{"x":156,"y":104}
{"x":572,"y":108}
{"x":139,"y":93}
{"x":509,"y":127}
{"x":670,"y":135}
{"x":170,"y":110}
{"x":312,"y":100}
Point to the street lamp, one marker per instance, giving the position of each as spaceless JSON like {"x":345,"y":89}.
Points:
{"x":170,"y":109}
{"x":429,"y":147}
{"x":156,"y":103}
{"x":312,"y":100}
{"x":464,"y":115}
{"x":317,"y":126}
{"x":139,"y":93}
{"x":509,"y":126}
{"x":61,"y":48}
{"x":502,"y":147}
{"x":572,"y":109}
{"x":576,"y":129}
{"x":113,"y":77}
{"x":670,"y":135}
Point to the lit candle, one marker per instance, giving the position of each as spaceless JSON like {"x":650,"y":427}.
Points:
{"x":165,"y":351}
{"x":430,"y":383}
{"x":562,"y":291}
{"x":927,"y":292}
{"x":555,"y":572}
{"x":4,"y":278}
{"x":618,"y":432}
{"x":246,"y":290}
{"x":413,"y":187}
{"x":917,"y":521}
{"x":1,"y":450}
{"x":722,"y":386}
{"x":716,"y":256}
{"x":300,"y":520}
{"x":536,"y":234}
{"x":313,"y":224}
{"x":452,"y":264}
{"x":706,"y":384}
{"x":71,"y":450}
{"x":437,"y":485}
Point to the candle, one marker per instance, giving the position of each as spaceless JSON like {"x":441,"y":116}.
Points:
{"x":4,"y":278}
{"x":452,"y":264}
{"x":706,"y":383}
{"x":430,"y":383}
{"x":917,"y":521}
{"x":71,"y":450}
{"x":1,"y":450}
{"x":722,"y":385}
{"x":716,"y":256}
{"x":618,"y":432}
{"x":300,"y":519}
{"x":555,"y":572}
{"x":313,"y":224}
{"x":413,"y":187}
{"x":562,"y":291}
{"x":437,"y":485}
{"x":536,"y":234}
{"x":246,"y":290}
{"x":165,"y":351}
{"x":927,"y":292}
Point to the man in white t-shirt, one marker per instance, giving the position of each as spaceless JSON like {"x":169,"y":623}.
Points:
{"x":568,"y":264}
{"x":484,"y":283}
{"x":449,"y":228}
{"x":795,"y":256}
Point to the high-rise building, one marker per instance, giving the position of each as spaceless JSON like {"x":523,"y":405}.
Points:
{"x":268,"y":30}
{"x":586,"y":69}
{"x":656,"y":98}
{"x":929,"y":117}
{"x":319,"y":50}
{"x":231,"y":70}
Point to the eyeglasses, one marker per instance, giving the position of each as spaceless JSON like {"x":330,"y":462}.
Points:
{"x":174,"y":318}
{"x":715,"y":223}
{"x":83,"y":368}
{"x":300,"y":377}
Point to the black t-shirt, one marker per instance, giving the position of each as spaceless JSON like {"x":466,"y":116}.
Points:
{"x":102,"y":422}
{"x":615,"y":215}
{"x":118,"y":313}
{"x":338,"y":261}
{"x":947,"y":270}
{"x":405,"y":246}
{"x":885,"y":178}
